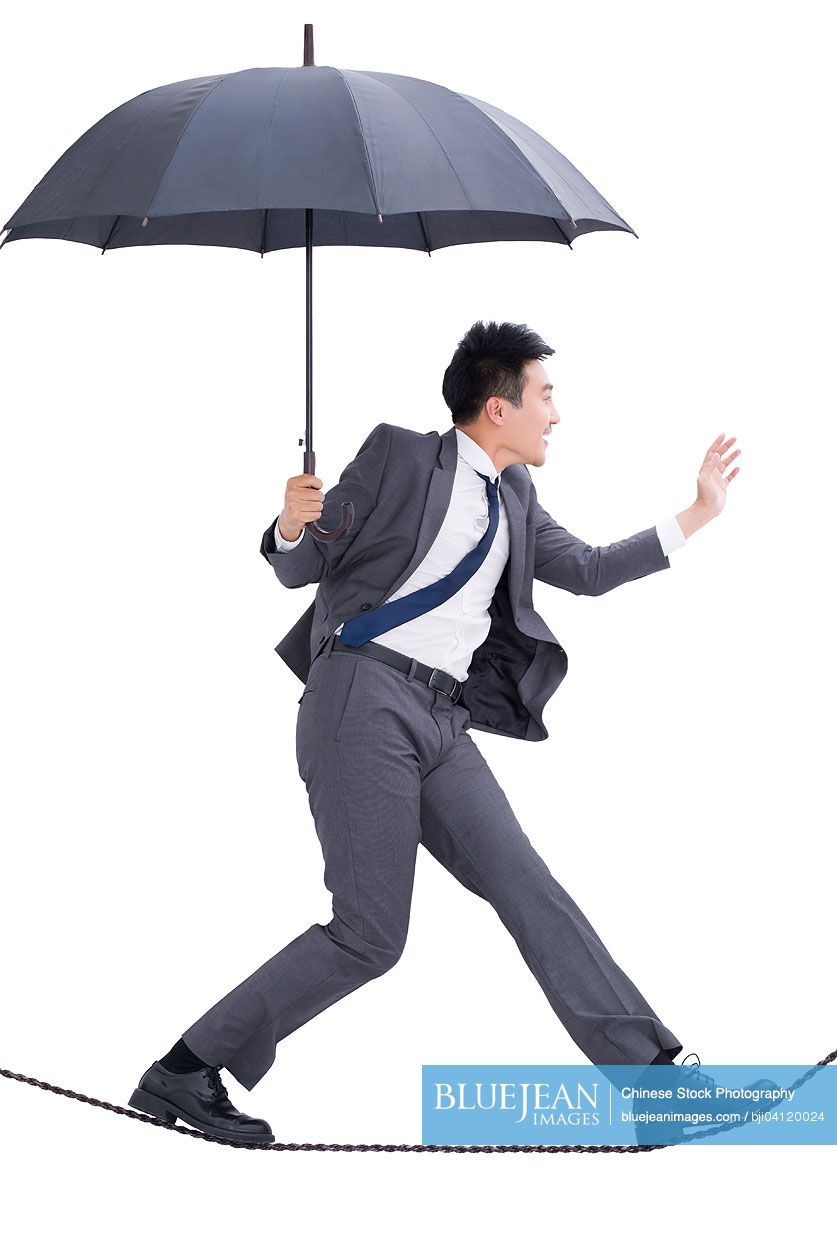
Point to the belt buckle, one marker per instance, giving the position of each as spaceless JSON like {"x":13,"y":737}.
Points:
{"x":457,"y":686}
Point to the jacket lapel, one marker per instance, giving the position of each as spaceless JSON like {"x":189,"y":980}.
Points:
{"x":439,"y":494}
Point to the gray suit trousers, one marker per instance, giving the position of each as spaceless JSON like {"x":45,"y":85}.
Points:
{"x":388,"y":764}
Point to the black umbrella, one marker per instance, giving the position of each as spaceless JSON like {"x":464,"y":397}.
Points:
{"x":266,"y":159}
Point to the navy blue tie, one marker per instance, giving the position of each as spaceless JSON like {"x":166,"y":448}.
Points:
{"x":392,"y":614}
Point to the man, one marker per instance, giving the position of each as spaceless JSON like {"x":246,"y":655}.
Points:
{"x":423,"y":627}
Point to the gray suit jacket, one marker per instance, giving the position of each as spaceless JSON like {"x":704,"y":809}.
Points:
{"x":401,"y":484}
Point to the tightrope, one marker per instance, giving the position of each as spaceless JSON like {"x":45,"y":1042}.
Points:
{"x":429,"y":1148}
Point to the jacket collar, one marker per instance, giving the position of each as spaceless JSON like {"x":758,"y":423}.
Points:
{"x":475,"y":455}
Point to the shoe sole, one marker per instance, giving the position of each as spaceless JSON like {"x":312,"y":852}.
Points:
{"x":169,"y":1114}
{"x":647,"y":1138}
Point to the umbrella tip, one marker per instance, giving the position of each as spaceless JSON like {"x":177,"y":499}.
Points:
{"x":308,"y":45}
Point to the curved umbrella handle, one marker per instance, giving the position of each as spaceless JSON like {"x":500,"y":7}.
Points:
{"x":347,"y":510}
{"x":347,"y":517}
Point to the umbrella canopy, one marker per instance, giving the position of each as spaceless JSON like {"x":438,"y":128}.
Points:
{"x":383,"y":159}
{"x":266,"y":159}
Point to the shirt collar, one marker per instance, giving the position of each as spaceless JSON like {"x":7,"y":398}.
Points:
{"x":475,"y":456}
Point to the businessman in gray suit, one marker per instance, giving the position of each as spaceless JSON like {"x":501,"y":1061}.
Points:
{"x":422,"y":628}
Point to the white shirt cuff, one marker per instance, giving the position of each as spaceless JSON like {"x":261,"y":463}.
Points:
{"x":283,"y":545}
{"x":670,"y":535}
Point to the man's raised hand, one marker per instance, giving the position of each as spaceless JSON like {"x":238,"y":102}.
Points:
{"x":712,"y":483}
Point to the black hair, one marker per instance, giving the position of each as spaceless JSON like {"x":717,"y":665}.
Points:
{"x":490,"y":362}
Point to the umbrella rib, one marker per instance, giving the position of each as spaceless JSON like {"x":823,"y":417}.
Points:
{"x":423,"y":231}
{"x":563,"y":232}
{"x":579,"y":192}
{"x":189,"y":121}
{"x":515,"y":147}
{"x":279,"y":87}
{"x":415,"y":107}
{"x":367,"y":160}
{"x":78,"y":213}
{"x":116,"y":222}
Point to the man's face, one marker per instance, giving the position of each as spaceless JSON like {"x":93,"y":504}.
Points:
{"x":526,"y":431}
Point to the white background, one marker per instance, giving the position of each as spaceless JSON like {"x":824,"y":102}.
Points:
{"x":157,"y":842}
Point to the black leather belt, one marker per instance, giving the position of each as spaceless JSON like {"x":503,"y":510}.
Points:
{"x":433,"y":677}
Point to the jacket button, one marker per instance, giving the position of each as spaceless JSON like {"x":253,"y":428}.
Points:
{"x":367,"y":605}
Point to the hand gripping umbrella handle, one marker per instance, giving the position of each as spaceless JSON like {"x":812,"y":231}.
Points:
{"x":347,"y":510}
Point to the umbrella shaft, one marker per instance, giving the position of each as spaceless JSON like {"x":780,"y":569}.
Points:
{"x":309,"y":373}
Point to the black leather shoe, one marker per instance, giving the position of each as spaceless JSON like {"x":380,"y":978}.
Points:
{"x":199,"y":1099}
{"x":718,"y":1111}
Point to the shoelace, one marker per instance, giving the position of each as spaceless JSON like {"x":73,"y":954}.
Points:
{"x":696,"y":1075}
{"x":703,"y":1078}
{"x":218,"y":1087}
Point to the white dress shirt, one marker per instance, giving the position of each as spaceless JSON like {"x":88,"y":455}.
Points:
{"x":447,"y":636}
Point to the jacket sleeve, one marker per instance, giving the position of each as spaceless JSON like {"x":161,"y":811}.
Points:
{"x":564,"y":561}
{"x":310,"y":560}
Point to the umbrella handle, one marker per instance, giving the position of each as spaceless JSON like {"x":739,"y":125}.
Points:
{"x":347,"y":517}
{"x":347,"y":510}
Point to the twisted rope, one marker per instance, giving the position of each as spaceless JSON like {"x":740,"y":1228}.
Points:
{"x":381,"y":1146}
